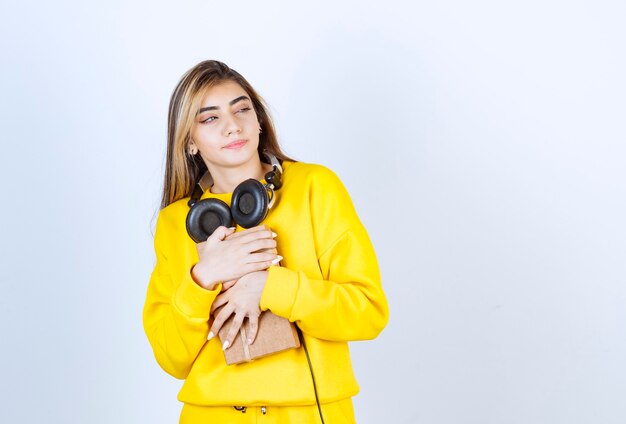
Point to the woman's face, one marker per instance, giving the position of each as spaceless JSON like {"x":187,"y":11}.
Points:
{"x":226,"y":129}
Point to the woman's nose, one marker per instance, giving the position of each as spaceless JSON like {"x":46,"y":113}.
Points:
{"x":231,"y":126}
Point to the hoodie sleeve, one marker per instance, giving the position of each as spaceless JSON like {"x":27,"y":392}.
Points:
{"x":176,"y":311}
{"x":348,"y":303}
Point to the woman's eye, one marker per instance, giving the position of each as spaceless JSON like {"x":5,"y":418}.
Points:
{"x":245,"y":109}
{"x":209,"y":119}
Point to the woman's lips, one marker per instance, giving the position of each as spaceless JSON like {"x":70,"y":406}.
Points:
{"x":235,"y":144}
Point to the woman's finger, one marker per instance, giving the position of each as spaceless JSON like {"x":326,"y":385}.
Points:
{"x":220,"y":318}
{"x":257,"y":266}
{"x":248,"y":231}
{"x":263,"y":257}
{"x":253,"y":328}
{"x":233,"y":331}
{"x":260,"y":244}
{"x":220,"y":300}
{"x":254,"y":235}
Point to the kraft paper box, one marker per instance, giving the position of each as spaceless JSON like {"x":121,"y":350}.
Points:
{"x":275,"y":334}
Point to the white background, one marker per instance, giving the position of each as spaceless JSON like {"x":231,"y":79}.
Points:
{"x":483,"y":144}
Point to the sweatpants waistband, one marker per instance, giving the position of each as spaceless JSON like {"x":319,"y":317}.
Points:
{"x":340,"y":412}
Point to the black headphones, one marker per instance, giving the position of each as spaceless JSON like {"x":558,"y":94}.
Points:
{"x":249,"y":205}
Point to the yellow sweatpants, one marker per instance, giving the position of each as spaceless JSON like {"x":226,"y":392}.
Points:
{"x":340,"y":412}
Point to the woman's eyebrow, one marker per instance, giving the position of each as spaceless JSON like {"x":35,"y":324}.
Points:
{"x":232,"y":102}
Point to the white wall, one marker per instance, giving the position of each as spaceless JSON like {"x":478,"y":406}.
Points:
{"x":483,"y":144}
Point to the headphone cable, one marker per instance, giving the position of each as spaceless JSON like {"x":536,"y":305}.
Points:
{"x":308,"y":359}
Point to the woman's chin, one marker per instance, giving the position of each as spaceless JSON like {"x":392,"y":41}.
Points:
{"x":238,"y":158}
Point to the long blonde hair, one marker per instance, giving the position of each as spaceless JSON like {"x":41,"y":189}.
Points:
{"x":182,"y":170}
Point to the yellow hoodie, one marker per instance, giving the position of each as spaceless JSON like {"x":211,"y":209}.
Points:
{"x":328,"y":284}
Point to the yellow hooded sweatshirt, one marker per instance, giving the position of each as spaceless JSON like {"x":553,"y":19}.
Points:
{"x":328,"y":284}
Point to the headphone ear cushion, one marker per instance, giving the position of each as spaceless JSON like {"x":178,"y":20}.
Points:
{"x":205,"y":216}
{"x":249,"y":203}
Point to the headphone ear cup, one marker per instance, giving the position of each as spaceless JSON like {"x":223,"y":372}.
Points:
{"x":205,"y":216}
{"x":249,"y":203}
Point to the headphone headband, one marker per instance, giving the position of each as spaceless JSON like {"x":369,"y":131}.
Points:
{"x":273,"y":161}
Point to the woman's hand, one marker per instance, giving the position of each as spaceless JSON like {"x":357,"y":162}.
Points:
{"x":228,"y":284}
{"x":227,"y":256}
{"x":243,"y":301}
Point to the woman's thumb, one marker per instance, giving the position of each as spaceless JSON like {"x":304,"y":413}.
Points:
{"x":221,"y":233}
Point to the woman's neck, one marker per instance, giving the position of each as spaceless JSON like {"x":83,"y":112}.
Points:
{"x":226,"y":179}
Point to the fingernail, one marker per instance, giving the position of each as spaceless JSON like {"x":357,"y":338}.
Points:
{"x":210,"y":336}
{"x":274,"y":234}
{"x":226,"y":344}
{"x":249,"y":341}
{"x":232,"y":228}
{"x":278,"y":259}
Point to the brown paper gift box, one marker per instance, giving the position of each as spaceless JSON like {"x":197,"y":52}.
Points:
{"x":275,"y":334}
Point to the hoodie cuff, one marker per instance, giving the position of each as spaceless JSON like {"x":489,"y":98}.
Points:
{"x":193,"y":300}
{"x":281,"y":288}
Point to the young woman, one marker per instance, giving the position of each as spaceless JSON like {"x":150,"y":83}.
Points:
{"x":328,"y":282}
